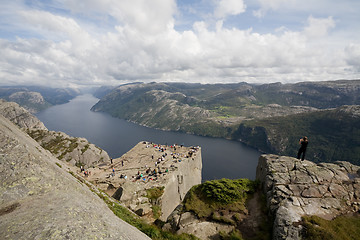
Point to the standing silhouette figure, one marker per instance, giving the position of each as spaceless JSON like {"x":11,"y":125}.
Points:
{"x":303,"y":142}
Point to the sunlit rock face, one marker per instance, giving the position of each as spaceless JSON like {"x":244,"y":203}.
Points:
{"x":40,"y":200}
{"x":296,"y":188}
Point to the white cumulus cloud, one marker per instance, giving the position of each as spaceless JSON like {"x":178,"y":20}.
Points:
{"x":229,"y":7}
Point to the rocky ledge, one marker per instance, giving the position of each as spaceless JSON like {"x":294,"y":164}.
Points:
{"x":296,"y":188}
{"x":150,"y":179}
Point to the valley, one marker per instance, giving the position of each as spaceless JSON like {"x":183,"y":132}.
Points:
{"x":270,"y":117}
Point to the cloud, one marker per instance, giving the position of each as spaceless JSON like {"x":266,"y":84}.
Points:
{"x":318,"y":27}
{"x":352,"y":56}
{"x":266,"y":5}
{"x":229,"y":7}
{"x":141,"y":43}
{"x":147,"y":16}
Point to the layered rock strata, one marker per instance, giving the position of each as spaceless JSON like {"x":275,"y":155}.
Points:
{"x":130,"y":177}
{"x":296,"y":188}
{"x":40,"y":200}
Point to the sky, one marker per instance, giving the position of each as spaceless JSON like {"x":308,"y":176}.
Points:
{"x":75,"y":43}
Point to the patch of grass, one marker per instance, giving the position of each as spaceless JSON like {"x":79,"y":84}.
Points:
{"x":340,"y":228}
{"x":151,"y":230}
{"x":211,"y":196}
{"x":156,"y":209}
{"x":233,"y":235}
{"x":58,"y":165}
{"x":154,"y":193}
{"x":79,"y":164}
{"x":86,"y":147}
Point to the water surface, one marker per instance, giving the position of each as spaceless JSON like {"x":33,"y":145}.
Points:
{"x":221,"y":158}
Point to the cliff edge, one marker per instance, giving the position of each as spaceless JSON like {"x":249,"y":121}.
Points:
{"x":295,"y":188}
{"x":150,"y":179}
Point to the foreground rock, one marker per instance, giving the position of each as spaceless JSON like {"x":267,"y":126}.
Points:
{"x":20,"y":116}
{"x":296,"y":188}
{"x":76,"y":151}
{"x":141,"y":181}
{"x":39,"y":200}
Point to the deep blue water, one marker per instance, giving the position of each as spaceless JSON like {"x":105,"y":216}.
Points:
{"x":221,"y":158}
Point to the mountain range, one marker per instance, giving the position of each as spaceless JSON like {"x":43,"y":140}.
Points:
{"x":269,"y":117}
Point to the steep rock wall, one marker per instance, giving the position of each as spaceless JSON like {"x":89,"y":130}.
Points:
{"x":176,"y":174}
{"x":295,"y":188}
{"x":179,"y":183}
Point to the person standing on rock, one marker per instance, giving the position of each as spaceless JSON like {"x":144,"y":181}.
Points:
{"x":303,"y":142}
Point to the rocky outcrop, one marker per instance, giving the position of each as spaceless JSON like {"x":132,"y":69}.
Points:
{"x":32,"y":101}
{"x":76,"y":151}
{"x":178,"y":170}
{"x":296,"y":188}
{"x":19,"y":116}
{"x":40,"y":200}
{"x":181,"y":221}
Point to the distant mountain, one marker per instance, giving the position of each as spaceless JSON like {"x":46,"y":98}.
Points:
{"x":37,"y":98}
{"x":334,"y":135}
{"x":216,"y":109}
{"x":230,"y":110}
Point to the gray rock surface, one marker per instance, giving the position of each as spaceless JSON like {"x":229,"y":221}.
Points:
{"x":179,"y":172}
{"x":40,"y":200}
{"x":31,"y":101}
{"x":296,"y":188}
{"x":76,"y":151}
{"x":187,"y":222}
{"x":20,"y":116}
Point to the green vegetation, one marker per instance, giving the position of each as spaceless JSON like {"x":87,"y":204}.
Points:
{"x":227,"y":201}
{"x":208,"y":198}
{"x":154,"y":193}
{"x":58,"y":165}
{"x":151,"y":230}
{"x":233,"y":235}
{"x":59,"y":146}
{"x":219,"y":110}
{"x":340,"y":228}
{"x":334,"y":135}
{"x":86,"y":147}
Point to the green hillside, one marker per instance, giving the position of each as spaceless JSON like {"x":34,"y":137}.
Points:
{"x":333,"y":134}
{"x":271,"y":117}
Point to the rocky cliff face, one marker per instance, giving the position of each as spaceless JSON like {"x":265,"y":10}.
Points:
{"x":333,"y":134}
{"x":32,"y":101}
{"x":19,"y":116}
{"x":174,"y":175}
{"x":40,"y":200}
{"x":295,"y":188}
{"x":76,"y":151}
